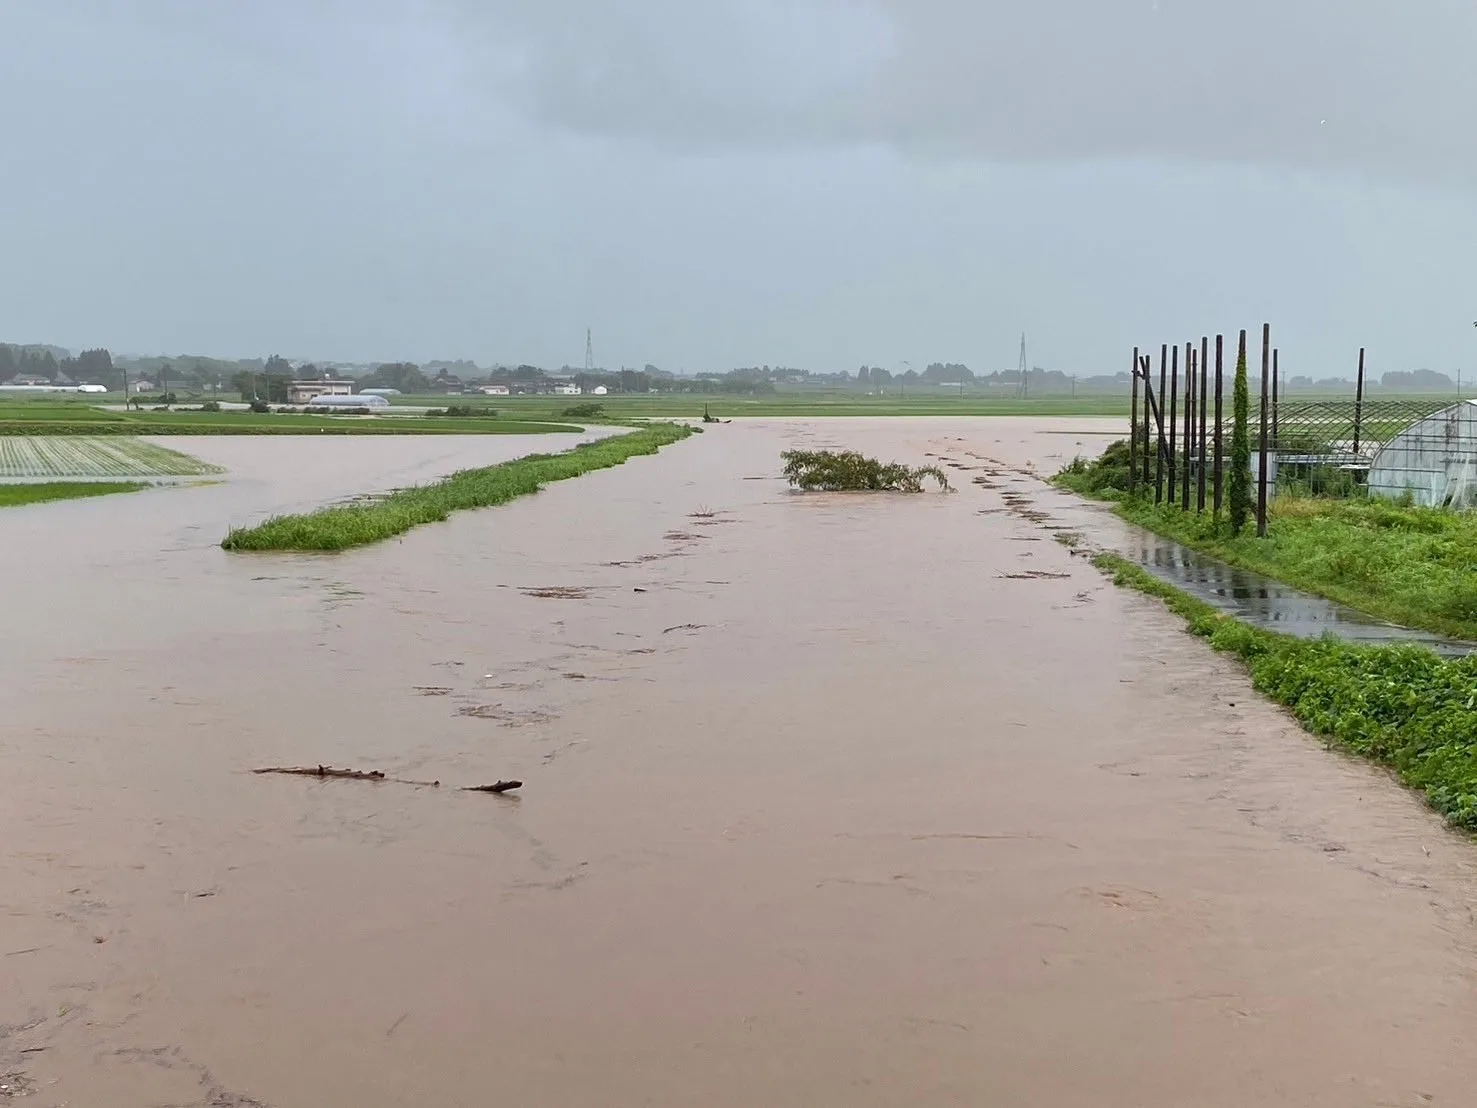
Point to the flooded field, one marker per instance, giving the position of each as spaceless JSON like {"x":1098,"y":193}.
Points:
{"x":829,"y":799}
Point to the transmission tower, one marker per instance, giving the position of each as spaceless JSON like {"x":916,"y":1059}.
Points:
{"x":589,"y":353}
{"x":1020,"y":391}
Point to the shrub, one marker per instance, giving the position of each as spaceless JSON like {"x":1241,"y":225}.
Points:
{"x":584,"y":411}
{"x":463,"y":411}
{"x":1240,"y":491}
{"x":261,"y":407}
{"x":211,"y":406}
{"x":846,"y":470}
{"x":1104,"y":478}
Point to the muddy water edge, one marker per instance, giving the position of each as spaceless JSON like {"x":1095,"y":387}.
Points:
{"x":830,"y":799}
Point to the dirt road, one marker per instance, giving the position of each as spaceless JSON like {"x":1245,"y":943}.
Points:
{"x":826,"y":803}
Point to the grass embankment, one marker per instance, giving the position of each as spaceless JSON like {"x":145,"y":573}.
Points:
{"x":14,"y":496}
{"x":1412,"y":566}
{"x":340,"y":528}
{"x":1401,"y":706}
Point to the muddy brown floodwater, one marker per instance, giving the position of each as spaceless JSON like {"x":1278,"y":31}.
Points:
{"x":826,"y":802}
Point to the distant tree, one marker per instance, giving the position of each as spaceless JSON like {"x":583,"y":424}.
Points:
{"x":864,"y":376}
{"x":276,"y":387}
{"x":244,"y":382}
{"x":1240,"y":444}
{"x":9,"y":366}
{"x":951,"y":373}
{"x":96,"y":365}
{"x":279,"y":365}
{"x":405,"y":376}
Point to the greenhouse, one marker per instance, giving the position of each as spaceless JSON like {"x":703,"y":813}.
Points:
{"x":1434,"y":460}
{"x":360,"y":400}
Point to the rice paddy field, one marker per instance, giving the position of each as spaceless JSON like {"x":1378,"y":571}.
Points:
{"x":44,"y":456}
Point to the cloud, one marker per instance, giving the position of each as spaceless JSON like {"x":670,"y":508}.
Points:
{"x":1379,"y":87}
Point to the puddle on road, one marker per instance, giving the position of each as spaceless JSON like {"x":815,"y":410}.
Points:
{"x":1269,"y":604}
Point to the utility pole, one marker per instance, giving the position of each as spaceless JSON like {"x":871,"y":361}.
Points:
{"x":1022,"y":389}
{"x":589,"y":352}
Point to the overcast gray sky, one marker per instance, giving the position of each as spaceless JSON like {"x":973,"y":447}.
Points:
{"x":711,"y":183}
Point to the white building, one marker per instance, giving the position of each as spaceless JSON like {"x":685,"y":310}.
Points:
{"x":305,"y":392}
{"x":598,"y":390}
{"x":495,"y":390}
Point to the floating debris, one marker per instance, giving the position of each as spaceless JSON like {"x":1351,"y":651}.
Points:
{"x":499,"y":787}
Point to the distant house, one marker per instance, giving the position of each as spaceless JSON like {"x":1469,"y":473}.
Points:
{"x":496,"y":390}
{"x":598,"y":390}
{"x":28,"y":379}
{"x":447,"y":382}
{"x":564,"y":388}
{"x":305,"y":392}
{"x":142,"y":385}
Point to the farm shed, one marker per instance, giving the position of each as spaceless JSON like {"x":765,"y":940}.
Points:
{"x":1434,"y":460}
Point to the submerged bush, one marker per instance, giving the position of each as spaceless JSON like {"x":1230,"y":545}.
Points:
{"x":1106,"y":476}
{"x":584,"y":411}
{"x":848,"y":471}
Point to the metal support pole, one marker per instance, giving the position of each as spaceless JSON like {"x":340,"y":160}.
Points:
{"x":1202,"y":394}
{"x":1359,"y":402}
{"x":1189,"y":424}
{"x":1133,"y":428}
{"x":1174,"y":399}
{"x":1219,"y":465}
{"x":1159,"y":453}
{"x":1261,"y":487}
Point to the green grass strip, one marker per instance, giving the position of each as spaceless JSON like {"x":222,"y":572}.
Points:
{"x":340,"y":528}
{"x":1401,"y":706}
{"x":13,"y":496}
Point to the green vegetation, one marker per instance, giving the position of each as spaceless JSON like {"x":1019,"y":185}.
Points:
{"x":12,"y":496}
{"x":1413,"y":566}
{"x":1401,"y":706}
{"x":340,"y":528}
{"x":808,"y":404}
{"x":848,"y":471}
{"x":68,"y":456}
{"x":1240,"y":475}
{"x":31,"y":418}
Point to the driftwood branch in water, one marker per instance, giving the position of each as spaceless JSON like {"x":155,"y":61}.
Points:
{"x":325,"y":771}
{"x":348,"y":774}
{"x":500,"y":787}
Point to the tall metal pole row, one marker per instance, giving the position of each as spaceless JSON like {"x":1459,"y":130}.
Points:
{"x":1261,"y":487}
{"x":1174,"y":399}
